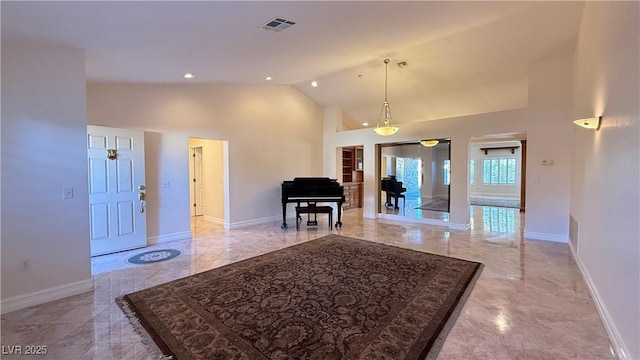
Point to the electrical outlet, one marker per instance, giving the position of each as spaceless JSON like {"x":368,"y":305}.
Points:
{"x":25,"y":265}
{"x":67,"y":193}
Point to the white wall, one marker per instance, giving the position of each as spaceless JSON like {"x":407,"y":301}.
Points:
{"x":547,"y":119}
{"x":428,"y":172}
{"x":213,"y":175}
{"x":44,"y":138}
{"x":549,"y":138}
{"x":605,"y":197}
{"x":273,"y":133}
{"x":166,"y":160}
{"x":440,"y":189}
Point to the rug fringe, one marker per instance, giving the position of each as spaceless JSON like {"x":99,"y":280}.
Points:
{"x":147,"y":341}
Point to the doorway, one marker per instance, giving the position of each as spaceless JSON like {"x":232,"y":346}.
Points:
{"x":422,"y":171}
{"x":497,"y":165}
{"x":207,"y":179}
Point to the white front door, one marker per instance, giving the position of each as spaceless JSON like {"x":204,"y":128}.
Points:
{"x":117,"y":214}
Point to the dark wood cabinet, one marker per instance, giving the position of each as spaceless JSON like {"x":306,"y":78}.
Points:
{"x":352,"y":164}
{"x":347,"y":164}
{"x":352,"y":195}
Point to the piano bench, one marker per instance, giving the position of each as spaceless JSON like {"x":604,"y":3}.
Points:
{"x":313,"y":210}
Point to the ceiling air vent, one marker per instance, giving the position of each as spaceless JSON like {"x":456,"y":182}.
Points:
{"x":278,"y":24}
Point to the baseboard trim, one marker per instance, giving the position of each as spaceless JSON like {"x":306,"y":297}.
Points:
{"x":291,"y":219}
{"x":456,"y":226}
{"x":154,"y":240}
{"x":45,"y":296}
{"x":620,"y":348}
{"x":494,"y":197}
{"x":252,"y":222}
{"x":413,"y":220}
{"x":434,"y":222}
{"x":546,"y":237}
{"x":214,"y":220}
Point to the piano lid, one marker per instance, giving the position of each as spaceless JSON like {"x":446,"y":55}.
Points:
{"x":311,"y":187}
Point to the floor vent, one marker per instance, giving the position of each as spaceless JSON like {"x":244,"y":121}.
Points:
{"x":573,"y":232}
{"x":278,"y":24}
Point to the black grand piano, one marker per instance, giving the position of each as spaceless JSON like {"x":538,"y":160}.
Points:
{"x":311,"y":190}
{"x":394,"y":190}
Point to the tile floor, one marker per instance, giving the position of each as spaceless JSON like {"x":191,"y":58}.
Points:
{"x":409,"y":207}
{"x":530,"y":301}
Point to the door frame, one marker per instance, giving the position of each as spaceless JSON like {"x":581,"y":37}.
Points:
{"x":523,"y":174}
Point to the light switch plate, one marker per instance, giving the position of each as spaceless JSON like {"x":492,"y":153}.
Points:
{"x":67,"y":193}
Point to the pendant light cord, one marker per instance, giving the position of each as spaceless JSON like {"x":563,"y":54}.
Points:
{"x":387,"y":128}
{"x":386,"y":65}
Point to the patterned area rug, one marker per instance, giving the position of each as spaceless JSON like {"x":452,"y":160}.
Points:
{"x":154,"y":256}
{"x":438,"y":204}
{"x":330,"y":298}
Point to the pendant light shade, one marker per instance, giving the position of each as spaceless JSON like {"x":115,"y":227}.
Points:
{"x":429,"y":143}
{"x":384,"y":126}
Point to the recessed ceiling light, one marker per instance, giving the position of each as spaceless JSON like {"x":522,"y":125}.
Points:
{"x":365,"y":124}
{"x":268,"y":78}
{"x":188,"y":76}
{"x":314,"y":83}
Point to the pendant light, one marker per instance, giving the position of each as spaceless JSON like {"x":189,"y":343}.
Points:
{"x":429,"y":143}
{"x":384,"y":126}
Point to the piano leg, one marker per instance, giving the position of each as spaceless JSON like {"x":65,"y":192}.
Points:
{"x":339,"y":222}
{"x":284,"y":216}
{"x":388,"y":203}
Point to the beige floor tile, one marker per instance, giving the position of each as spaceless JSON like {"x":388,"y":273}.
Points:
{"x":529,"y":303}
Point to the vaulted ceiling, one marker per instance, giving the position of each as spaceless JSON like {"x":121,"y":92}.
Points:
{"x":462,"y":57}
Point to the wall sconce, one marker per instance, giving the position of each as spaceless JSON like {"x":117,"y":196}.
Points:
{"x":589,"y":123}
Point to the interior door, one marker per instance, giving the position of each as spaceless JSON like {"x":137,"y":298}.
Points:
{"x":197,"y":181}
{"x":117,"y":211}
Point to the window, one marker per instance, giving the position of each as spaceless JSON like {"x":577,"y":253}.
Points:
{"x":499,"y":171}
{"x":446,"y":173}
{"x":408,"y":170}
{"x":472,"y":171}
